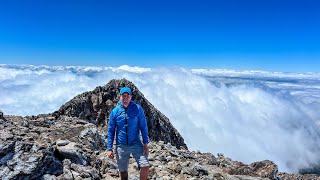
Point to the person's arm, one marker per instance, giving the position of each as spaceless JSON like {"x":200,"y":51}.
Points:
{"x":144,"y":131}
{"x":143,"y":126}
{"x":111,"y":131}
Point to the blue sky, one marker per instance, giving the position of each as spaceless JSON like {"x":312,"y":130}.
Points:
{"x":259,"y":34}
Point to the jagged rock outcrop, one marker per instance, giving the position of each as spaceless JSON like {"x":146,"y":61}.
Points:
{"x":36,"y":147}
{"x":1,"y":115}
{"x":65,"y":145}
{"x":95,"y":107}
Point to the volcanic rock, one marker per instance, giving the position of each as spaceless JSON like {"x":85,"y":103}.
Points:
{"x":1,"y":114}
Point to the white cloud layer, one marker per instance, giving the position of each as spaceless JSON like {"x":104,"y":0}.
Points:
{"x":249,"y":118}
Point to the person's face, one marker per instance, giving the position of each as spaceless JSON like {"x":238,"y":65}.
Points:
{"x":125,"y":98}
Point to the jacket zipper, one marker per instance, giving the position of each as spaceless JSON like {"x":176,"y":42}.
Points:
{"x":126,"y":118}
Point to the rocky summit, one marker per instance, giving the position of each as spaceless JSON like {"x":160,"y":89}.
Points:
{"x":70,"y":144}
{"x":95,"y":107}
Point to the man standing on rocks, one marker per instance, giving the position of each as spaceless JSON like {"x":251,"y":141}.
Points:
{"x":127,"y":120}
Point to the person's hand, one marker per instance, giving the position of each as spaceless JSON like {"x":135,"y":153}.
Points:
{"x":145,"y":149}
{"x":110,"y":154}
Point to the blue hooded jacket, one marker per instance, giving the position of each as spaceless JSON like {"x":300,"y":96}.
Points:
{"x":127,"y":122}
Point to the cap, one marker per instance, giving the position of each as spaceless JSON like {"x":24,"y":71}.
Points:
{"x":125,"y":90}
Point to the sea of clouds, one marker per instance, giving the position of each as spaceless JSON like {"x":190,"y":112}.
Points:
{"x":246,"y":115}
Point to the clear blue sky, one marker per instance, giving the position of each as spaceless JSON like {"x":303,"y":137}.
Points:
{"x":235,"y":34}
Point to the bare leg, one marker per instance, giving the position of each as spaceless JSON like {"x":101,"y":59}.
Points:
{"x":144,"y":172}
{"x":124,"y":175}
